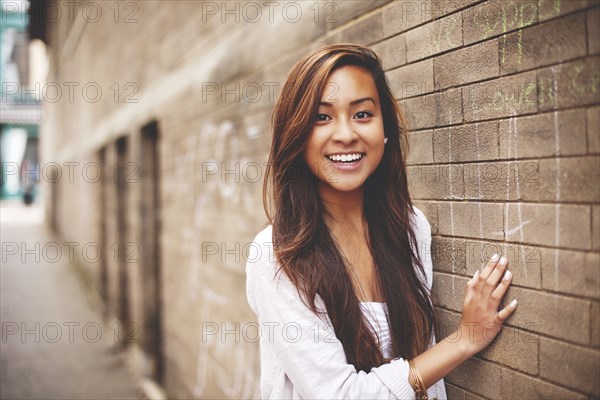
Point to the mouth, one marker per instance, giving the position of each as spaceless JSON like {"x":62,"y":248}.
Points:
{"x":345,"y":158}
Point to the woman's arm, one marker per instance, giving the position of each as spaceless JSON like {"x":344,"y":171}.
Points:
{"x":293,"y":337}
{"x":479,"y":325}
{"x":314,"y":359}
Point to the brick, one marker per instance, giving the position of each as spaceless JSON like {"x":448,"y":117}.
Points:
{"x":593,"y":129}
{"x":501,"y":180}
{"x":497,"y":17}
{"x":512,"y":347}
{"x":338,"y":14}
{"x":503,"y":97}
{"x":449,"y":255}
{"x":548,"y":9}
{"x":524,"y":262}
{"x":516,"y":385}
{"x":463,"y":219}
{"x":596,"y":227}
{"x":571,"y":272}
{"x":421,"y":147}
{"x":436,"y":181}
{"x":466,"y":143}
{"x":537,"y":224}
{"x":404,"y":15}
{"x":442,"y":8}
{"x":467,"y":65}
{"x":438,"y":109}
{"x":391,"y":51}
{"x":567,"y":179}
{"x":446,"y":323}
{"x":434,"y":37}
{"x":430,"y":210}
{"x":412,"y":80}
{"x":471,"y":396}
{"x":593,"y":31}
{"x":550,"y":314}
{"x":537,"y":135}
{"x":478,"y":376}
{"x":454,"y":392}
{"x":570,"y":366}
{"x":595,"y":324}
{"x":515,"y":348}
{"x":576,"y":83}
{"x":364,"y":32}
{"x":544,"y":44}
{"x":448,"y":291}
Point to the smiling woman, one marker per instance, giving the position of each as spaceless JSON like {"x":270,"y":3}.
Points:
{"x":353,"y":113}
{"x":344,"y":262}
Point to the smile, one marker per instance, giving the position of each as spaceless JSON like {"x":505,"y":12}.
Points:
{"x":348,"y":158}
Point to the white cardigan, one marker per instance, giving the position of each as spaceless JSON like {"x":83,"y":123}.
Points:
{"x":301,"y":358}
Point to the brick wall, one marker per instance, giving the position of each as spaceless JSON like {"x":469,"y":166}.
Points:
{"x":503,"y":103}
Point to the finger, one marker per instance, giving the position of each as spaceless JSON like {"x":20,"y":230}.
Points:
{"x":507,"y":311}
{"x":485,"y":273}
{"x":496,"y":274}
{"x":501,"y":289}
{"x":471,"y":286}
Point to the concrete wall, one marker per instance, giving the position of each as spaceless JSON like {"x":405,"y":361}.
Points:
{"x":503,"y":102}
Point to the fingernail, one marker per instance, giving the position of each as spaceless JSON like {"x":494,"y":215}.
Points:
{"x":476,"y":274}
{"x":503,"y":260}
{"x":513,"y":303}
{"x":507,"y":275}
{"x":494,"y":257}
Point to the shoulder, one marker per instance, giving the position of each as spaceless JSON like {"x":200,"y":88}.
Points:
{"x":423,"y":236}
{"x":420,"y":224}
{"x":260,"y":267}
{"x":261,"y":253}
{"x":265,"y":234}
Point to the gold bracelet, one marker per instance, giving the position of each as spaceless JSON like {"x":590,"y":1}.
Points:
{"x":419,"y":386}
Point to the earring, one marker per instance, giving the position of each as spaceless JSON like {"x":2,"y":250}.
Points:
{"x":385,"y":140}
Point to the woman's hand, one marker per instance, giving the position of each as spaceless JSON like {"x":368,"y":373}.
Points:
{"x":481,"y":321}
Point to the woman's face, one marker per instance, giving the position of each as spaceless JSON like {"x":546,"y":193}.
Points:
{"x":346,"y":144}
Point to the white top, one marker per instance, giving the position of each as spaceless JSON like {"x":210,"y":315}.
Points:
{"x":376,"y":315}
{"x":301,"y":358}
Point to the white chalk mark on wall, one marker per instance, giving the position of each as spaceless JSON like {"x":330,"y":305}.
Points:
{"x":221,"y":175}
{"x":516,"y":229}
{"x":227,"y":174}
{"x":479,"y":193}
{"x":210,"y":299}
{"x":215,"y":353}
{"x":453,"y":257}
{"x":555,"y":71}
{"x":512,"y":151}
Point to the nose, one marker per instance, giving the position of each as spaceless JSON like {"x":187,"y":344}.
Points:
{"x":343,"y":132}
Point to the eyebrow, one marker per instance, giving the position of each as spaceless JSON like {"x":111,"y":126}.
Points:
{"x":352,"y":103}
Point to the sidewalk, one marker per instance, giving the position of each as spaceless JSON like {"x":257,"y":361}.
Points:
{"x":54,"y":344}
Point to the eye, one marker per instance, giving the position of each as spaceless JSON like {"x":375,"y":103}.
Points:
{"x":323,"y":117}
{"x":363,"y":114}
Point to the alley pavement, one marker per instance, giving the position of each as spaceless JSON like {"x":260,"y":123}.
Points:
{"x":54,"y":342}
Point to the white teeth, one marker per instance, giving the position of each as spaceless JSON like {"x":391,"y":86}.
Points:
{"x":345,"y":157}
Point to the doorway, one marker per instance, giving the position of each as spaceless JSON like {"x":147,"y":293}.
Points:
{"x":150,"y":249}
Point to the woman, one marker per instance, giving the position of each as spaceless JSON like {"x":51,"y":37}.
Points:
{"x":341,"y":279}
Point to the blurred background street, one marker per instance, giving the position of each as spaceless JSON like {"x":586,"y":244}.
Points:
{"x":55,"y":344}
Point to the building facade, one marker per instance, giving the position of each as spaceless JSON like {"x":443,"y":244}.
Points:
{"x":153,"y":161}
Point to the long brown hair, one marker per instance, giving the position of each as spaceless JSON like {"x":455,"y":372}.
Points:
{"x":303,"y":244}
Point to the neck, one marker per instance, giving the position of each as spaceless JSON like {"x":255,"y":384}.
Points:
{"x":344,"y":211}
